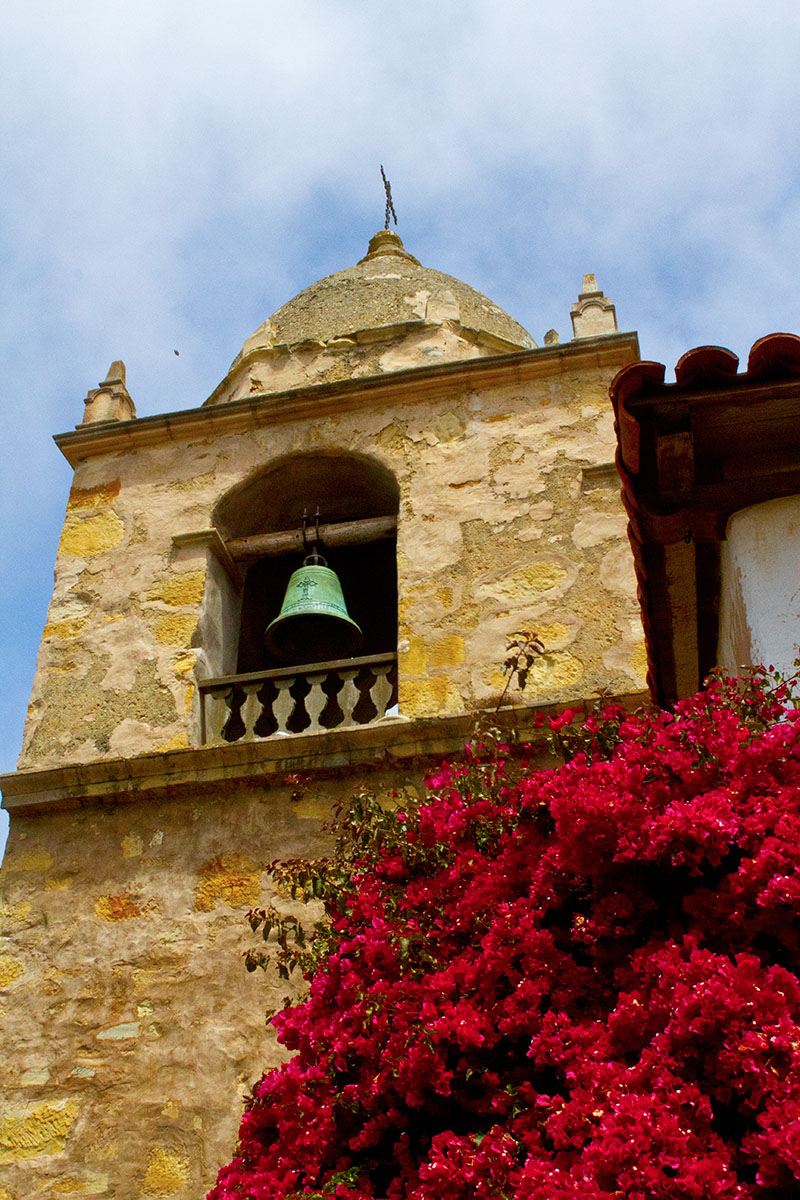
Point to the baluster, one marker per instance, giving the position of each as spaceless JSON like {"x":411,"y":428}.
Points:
{"x":283,"y":704}
{"x":217,"y":713}
{"x":266,"y":724}
{"x":381,"y":690}
{"x":315,"y":702}
{"x":250,"y":710}
{"x":349,"y":696}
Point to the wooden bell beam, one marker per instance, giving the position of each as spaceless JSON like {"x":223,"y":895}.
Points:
{"x":289,"y":541}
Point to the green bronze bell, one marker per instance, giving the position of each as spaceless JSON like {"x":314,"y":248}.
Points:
{"x":313,"y":624}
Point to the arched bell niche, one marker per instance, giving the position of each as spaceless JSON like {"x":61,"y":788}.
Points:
{"x":345,"y":488}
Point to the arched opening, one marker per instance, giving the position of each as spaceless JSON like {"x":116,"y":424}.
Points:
{"x":261,"y":522}
{"x":345,"y":488}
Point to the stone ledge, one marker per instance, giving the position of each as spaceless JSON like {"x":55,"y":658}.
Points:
{"x":318,"y":400}
{"x":202,"y":769}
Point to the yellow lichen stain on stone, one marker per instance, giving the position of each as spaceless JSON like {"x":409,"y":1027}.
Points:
{"x":83,"y":537}
{"x":551,"y":635}
{"x":113,"y":616}
{"x":11,"y":969}
{"x":554,"y":672}
{"x":415,"y":659}
{"x":184,"y":662}
{"x":58,"y":883}
{"x":231,"y":878}
{"x":445,"y":596}
{"x":638,"y":660}
{"x":166,"y":1173}
{"x":448,"y":651}
{"x":146,"y":977}
{"x":405,"y":604}
{"x":174,"y":629}
{"x":184,"y":588}
{"x":171,"y":1109}
{"x":132,"y":845}
{"x":29,"y":1130}
{"x":495,"y":679}
{"x":117,"y":908}
{"x":536,"y":577}
{"x":94,"y":497}
{"x":429,"y":697}
{"x":29,"y":860}
{"x":179,"y":741}
{"x":5,"y":1194}
{"x":71,"y":1185}
{"x":65,"y":629}
{"x":13,"y":914}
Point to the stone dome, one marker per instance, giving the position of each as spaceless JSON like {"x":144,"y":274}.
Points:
{"x":390,"y":287}
{"x":386,"y":313}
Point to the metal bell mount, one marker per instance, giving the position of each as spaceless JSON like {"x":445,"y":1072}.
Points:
{"x":313,"y":624}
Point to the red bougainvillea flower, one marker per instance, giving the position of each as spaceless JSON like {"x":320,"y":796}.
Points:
{"x":582,"y":984}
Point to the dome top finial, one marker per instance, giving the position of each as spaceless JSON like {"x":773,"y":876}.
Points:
{"x":386,"y":241}
{"x":387,"y":187}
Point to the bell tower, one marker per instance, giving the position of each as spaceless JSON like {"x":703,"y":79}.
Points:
{"x":465,"y":486}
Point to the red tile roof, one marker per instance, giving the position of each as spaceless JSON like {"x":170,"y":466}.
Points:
{"x":691,"y":453}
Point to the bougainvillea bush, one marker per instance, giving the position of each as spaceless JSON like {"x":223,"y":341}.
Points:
{"x":577,"y":982}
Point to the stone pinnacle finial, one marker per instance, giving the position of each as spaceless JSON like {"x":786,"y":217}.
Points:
{"x":116,"y":373}
{"x":593,"y":315}
{"x":110,"y":401}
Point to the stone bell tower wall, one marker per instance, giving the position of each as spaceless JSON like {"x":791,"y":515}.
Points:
{"x":130,"y":1029}
{"x":509,"y":518}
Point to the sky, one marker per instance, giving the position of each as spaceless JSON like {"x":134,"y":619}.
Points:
{"x":173,"y":172}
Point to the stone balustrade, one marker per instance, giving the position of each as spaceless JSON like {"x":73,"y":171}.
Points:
{"x":311,"y":698}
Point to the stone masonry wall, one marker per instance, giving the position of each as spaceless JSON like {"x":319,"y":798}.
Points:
{"x":129,"y":1028}
{"x":503,"y":525}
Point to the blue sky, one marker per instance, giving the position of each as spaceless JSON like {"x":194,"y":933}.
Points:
{"x":174,"y":172}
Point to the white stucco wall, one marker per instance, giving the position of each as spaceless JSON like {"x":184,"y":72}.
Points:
{"x":760,"y":599}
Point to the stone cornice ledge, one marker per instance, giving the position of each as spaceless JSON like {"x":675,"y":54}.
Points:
{"x":205,"y":769}
{"x":415,"y":383}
